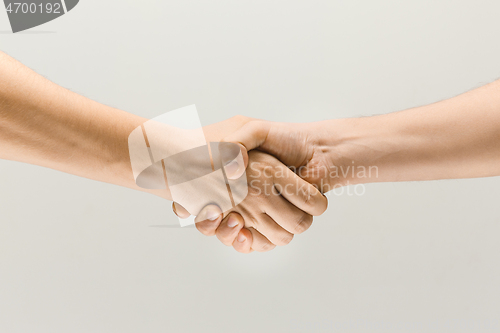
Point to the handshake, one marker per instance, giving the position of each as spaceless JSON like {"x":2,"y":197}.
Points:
{"x":288,"y":167}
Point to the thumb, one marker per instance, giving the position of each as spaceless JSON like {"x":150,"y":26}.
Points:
{"x":180,"y":211}
{"x":250,"y":136}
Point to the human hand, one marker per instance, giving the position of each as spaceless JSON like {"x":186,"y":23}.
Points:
{"x":231,"y":227}
{"x":279,"y":205}
{"x":310,"y":149}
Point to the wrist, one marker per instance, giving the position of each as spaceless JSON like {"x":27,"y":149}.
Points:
{"x":119,"y":162}
{"x":356,"y":150}
{"x":385,"y":148}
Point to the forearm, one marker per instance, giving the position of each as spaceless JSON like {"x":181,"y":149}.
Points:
{"x":44,"y":124}
{"x":455,"y":138}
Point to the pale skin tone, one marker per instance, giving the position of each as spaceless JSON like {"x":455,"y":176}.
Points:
{"x":44,"y":124}
{"x":455,"y":138}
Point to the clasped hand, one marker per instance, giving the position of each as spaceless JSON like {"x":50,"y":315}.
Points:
{"x":284,"y":170}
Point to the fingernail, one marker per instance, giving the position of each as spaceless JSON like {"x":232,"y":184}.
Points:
{"x":241,"y":238}
{"x":232,"y":169}
{"x":210,"y":213}
{"x":180,"y":211}
{"x":232,"y":222}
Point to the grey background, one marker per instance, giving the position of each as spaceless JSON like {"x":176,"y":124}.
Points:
{"x":80,"y":256}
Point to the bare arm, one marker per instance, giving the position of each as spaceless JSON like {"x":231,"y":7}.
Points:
{"x":44,"y":124}
{"x":454,"y":138}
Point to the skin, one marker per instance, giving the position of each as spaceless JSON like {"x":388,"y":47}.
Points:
{"x":47,"y":125}
{"x":267,"y":217}
{"x":452,"y":139}
{"x":44,"y":124}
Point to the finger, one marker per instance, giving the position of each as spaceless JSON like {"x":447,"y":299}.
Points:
{"x":208,"y":220}
{"x":234,"y":158}
{"x":260,"y":243}
{"x":289,"y":217}
{"x":229,"y":228}
{"x":300,"y":193}
{"x":243,"y":243}
{"x":250,"y":136}
{"x":180,"y":211}
{"x":235,"y":168}
{"x":275,"y":233}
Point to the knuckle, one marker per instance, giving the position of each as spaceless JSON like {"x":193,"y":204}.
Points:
{"x":285,"y":239}
{"x":241,"y":118}
{"x":224,"y":240}
{"x":257,"y":124}
{"x":204,"y":229}
{"x":253,"y":222}
{"x":309,"y":200}
{"x":225,"y":237}
{"x":303,"y":224}
{"x":314,"y":203}
{"x":267,"y":246}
